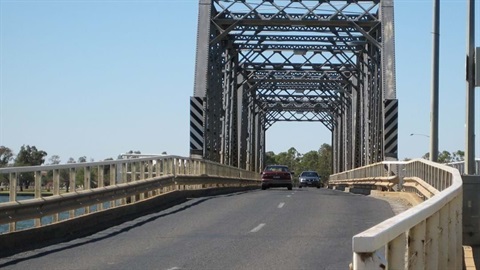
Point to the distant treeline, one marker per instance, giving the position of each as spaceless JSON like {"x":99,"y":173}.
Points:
{"x":320,"y":160}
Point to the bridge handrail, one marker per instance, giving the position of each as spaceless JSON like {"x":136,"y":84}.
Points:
{"x":145,"y":177}
{"x":212,"y":167}
{"x":381,"y":169}
{"x":433,"y":227}
{"x":84,"y":164}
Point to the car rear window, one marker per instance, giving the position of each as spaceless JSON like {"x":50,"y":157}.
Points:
{"x":309,"y":174}
{"x":276,"y":169}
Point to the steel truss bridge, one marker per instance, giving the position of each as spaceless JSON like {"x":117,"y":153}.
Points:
{"x":263,"y":61}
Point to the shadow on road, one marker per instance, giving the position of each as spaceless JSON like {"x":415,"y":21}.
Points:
{"x":476,"y":255}
{"x":110,"y":232}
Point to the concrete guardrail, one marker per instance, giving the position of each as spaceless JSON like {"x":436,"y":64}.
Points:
{"x":427,"y":236}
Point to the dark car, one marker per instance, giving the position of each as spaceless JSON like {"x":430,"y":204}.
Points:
{"x":309,"y":179}
{"x":277,"y":176}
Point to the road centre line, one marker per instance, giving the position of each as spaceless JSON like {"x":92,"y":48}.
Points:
{"x":258,"y":228}
{"x":281,"y":205}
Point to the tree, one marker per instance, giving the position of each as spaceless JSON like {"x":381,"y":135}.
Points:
{"x":447,"y":157}
{"x":270,"y":158}
{"x":458,"y":156}
{"x":309,"y":161}
{"x":80,"y":175}
{"x":63,"y":173}
{"x":29,"y":156}
{"x":325,"y":161}
{"x":67,"y":182}
{"x":290,"y":158}
{"x":320,"y":161}
{"x":444,"y":157}
{"x":6,"y":156}
{"x":54,"y":160}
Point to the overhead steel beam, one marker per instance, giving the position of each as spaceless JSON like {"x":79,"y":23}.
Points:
{"x":260,"y":62}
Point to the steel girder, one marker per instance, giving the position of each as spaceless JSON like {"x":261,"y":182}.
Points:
{"x":263,"y":61}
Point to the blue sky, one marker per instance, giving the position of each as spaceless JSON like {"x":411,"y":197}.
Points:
{"x":98,"y":78}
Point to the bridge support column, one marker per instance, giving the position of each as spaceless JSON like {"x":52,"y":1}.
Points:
{"x":242,"y":125}
{"x":257,"y":143}
{"x":197,"y":106}
{"x":471,"y":210}
{"x":230,"y":107}
{"x":390,"y":103}
{"x":356,"y":126}
{"x":348,"y":138}
{"x":338,"y":144}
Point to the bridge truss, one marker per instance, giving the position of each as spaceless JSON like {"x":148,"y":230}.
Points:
{"x":263,"y":61}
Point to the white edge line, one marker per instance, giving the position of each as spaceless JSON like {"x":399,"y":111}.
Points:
{"x":258,"y":228}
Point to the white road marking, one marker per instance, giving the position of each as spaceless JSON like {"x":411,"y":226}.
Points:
{"x":288,"y":196}
{"x":258,"y":228}
{"x":281,"y":205}
{"x":174,"y":268}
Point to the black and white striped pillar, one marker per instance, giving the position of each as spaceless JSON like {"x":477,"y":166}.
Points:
{"x":196,"y":126}
{"x":390,"y":130}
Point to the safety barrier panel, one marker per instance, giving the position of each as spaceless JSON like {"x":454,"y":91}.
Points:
{"x":384,"y":176}
{"x":63,"y":192}
{"x":427,"y":236}
{"x":460,"y":165}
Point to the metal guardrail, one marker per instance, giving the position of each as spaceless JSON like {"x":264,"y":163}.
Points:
{"x":129,"y":181}
{"x":427,"y":236}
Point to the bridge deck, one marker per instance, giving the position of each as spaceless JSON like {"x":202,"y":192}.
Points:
{"x":272,"y":229}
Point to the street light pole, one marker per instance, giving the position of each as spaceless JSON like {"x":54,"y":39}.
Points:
{"x":470,"y":106}
{"x":435,"y":71}
{"x":419,"y":134}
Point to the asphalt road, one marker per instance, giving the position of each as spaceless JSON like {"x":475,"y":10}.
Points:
{"x":305,"y":228}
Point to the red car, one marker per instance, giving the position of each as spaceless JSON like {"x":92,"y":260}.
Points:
{"x":277,"y":176}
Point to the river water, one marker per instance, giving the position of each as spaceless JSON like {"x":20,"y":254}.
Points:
{"x":20,"y":225}
{"x":45,"y":220}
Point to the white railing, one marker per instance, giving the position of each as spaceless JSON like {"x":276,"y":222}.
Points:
{"x":383,"y":175}
{"x":427,"y":236}
{"x":460,"y":166}
{"x":106,"y":185}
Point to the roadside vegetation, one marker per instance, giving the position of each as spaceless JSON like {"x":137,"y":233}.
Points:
{"x":316,"y":160}
{"x":31,"y":156}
